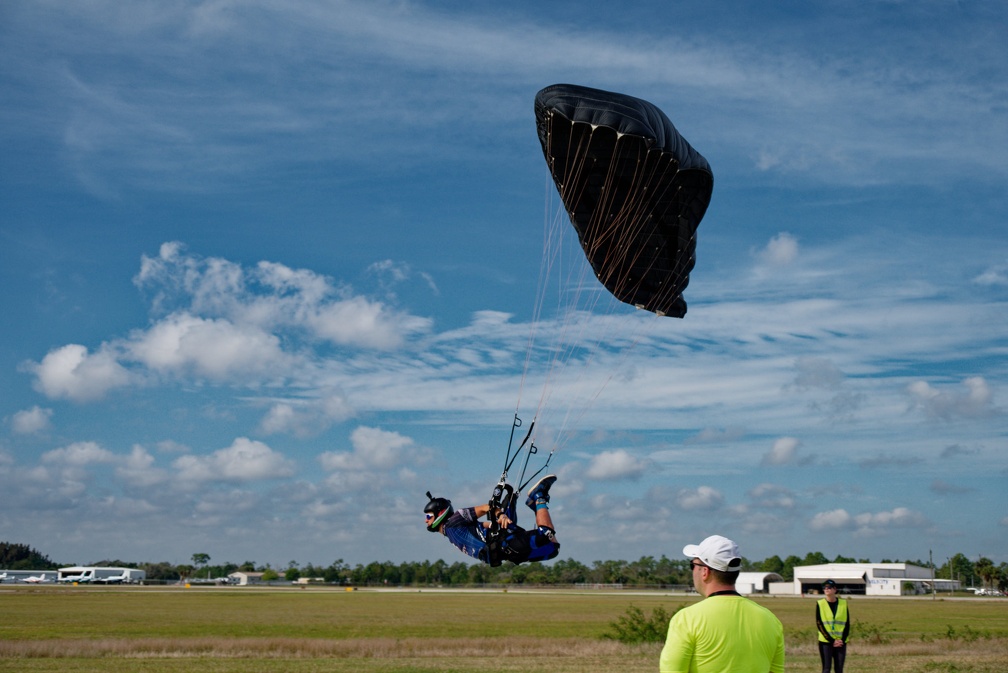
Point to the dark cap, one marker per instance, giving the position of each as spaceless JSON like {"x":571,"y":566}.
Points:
{"x":829,"y":583}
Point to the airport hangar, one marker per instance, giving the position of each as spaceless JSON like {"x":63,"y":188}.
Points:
{"x":864,"y":579}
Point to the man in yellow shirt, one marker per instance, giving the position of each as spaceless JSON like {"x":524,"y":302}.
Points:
{"x":725,"y":632}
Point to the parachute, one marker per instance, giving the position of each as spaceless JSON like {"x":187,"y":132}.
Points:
{"x":634,"y":189}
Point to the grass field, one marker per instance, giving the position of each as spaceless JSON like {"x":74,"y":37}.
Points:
{"x":289,"y":630}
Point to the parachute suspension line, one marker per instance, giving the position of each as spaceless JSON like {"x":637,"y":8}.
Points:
{"x":510,"y":458}
{"x":571,"y":287}
{"x":552,"y":259}
{"x":562,"y":344}
{"x":545,"y":266}
{"x":571,"y":316}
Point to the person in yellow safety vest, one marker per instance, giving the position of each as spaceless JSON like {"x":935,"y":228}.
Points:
{"x":833,"y":622}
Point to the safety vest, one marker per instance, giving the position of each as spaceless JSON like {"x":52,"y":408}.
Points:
{"x":834,"y":623}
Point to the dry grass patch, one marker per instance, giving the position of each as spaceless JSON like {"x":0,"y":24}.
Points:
{"x":361,"y":648}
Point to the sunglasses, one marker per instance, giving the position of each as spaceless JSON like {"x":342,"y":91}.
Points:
{"x":696,"y":564}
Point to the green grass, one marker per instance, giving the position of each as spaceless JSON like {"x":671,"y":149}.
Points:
{"x":289,"y":630}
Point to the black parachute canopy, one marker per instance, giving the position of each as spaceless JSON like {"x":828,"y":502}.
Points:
{"x":634,"y":188}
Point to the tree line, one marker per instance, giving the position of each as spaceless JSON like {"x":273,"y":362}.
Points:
{"x":646,"y":571}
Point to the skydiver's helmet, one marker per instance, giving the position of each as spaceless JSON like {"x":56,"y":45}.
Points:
{"x":436,"y":511}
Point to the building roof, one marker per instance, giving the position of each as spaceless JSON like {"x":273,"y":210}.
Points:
{"x":822,"y":573}
{"x":759,"y":577}
{"x":859,"y":572}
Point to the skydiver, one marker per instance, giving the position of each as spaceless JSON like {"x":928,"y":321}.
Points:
{"x":499,"y":538}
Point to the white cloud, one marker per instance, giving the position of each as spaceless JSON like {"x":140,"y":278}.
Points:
{"x":836,"y":519}
{"x":900,"y":517}
{"x":360,"y":322}
{"x":72,"y":373}
{"x":392,"y":274}
{"x":304,"y":418}
{"x":867,"y":523}
{"x":78,"y":454}
{"x":772,"y":495}
{"x":30,"y":421}
{"x":245,"y":460}
{"x":138,"y":470}
{"x":976,"y":402}
{"x":272,"y":296}
{"x":781,"y":250}
{"x":783,"y":452}
{"x":994,"y":276}
{"x":373,"y":449}
{"x":702,"y":497}
{"x":216,"y":349}
{"x":618,"y":464}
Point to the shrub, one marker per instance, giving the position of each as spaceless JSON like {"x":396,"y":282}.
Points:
{"x":634,"y":627}
{"x":871,"y":633}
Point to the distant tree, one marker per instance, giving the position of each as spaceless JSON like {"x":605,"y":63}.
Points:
{"x":200,"y":560}
{"x":569,"y":571}
{"x":160,"y":571}
{"x":270,"y":575}
{"x":292,"y":574}
{"x":845,"y":559}
{"x":815,"y":558}
{"x":16,"y":556}
{"x":247,"y":567}
{"x":773,"y":564}
{"x":642,"y":571}
{"x":609,"y":572}
{"x":480,"y":573}
{"x":985,"y":569}
{"x":789,"y":564}
{"x":961,"y":568}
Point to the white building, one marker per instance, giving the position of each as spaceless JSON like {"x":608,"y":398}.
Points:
{"x":242,"y":578}
{"x":756,"y":583}
{"x":869,"y":579}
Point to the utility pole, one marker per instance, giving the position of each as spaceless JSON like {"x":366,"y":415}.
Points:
{"x":931,"y":563}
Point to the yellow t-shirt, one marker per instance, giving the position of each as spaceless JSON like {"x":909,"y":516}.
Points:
{"x":724,"y":634}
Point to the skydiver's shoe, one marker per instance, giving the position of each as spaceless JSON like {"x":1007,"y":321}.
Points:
{"x":540,"y":492}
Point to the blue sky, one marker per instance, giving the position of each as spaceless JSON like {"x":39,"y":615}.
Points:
{"x":269,"y":272}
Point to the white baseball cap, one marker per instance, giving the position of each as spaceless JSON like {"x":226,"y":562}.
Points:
{"x":717,"y":552}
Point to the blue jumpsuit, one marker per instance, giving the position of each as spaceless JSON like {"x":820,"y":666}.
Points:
{"x":464,"y":530}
